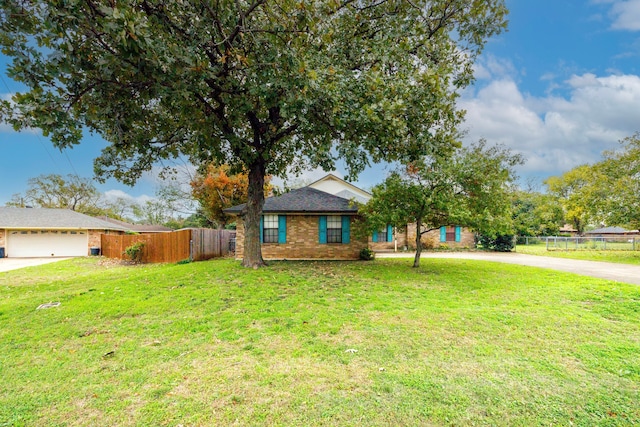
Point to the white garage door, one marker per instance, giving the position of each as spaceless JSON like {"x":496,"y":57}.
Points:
{"x":46,"y":243}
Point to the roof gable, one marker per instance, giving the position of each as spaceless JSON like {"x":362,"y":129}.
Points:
{"x":339,"y":187}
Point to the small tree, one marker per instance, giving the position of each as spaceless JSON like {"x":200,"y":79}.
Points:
{"x":620,"y":185}
{"x":470,"y":188}
{"x":574,"y":189}
{"x":217,"y":189}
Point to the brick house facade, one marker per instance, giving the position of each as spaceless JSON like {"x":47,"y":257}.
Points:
{"x":292,"y":225}
{"x":302,"y":242}
{"x":405,"y":237}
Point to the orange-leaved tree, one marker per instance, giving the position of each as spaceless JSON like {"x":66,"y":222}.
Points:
{"x":217,"y":188}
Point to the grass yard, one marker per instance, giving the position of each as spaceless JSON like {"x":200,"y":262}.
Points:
{"x":622,"y":257}
{"x":456,"y":342}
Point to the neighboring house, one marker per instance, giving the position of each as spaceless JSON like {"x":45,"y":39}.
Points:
{"x":33,"y":232}
{"x":137,"y":228}
{"x":317,"y":222}
{"x":611,"y":232}
{"x":568,"y":229}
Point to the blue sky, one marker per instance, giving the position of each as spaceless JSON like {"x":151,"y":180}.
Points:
{"x":560,"y":86}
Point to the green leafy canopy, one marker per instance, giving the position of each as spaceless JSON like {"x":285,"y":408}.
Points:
{"x":269,"y":86}
{"x":161,"y":78}
{"x":472,"y":188}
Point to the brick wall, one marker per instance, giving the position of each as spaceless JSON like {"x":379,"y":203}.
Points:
{"x":400,"y":234}
{"x":407,"y":237}
{"x":94,"y":239}
{"x":302,"y":242}
{"x":432,"y":238}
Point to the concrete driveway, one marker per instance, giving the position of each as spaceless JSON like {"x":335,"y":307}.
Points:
{"x":7,"y":264}
{"x":603,"y":270}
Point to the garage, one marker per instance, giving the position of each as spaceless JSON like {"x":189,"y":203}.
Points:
{"x":48,"y":232}
{"x":46,"y":243}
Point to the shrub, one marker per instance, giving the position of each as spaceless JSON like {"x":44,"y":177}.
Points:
{"x":428,"y":244}
{"x":367,"y":254}
{"x":500,"y":243}
{"x":134,"y":252}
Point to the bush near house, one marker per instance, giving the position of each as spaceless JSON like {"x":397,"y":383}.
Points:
{"x":500,"y":243}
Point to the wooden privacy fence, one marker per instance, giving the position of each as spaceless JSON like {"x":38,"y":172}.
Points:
{"x":195,"y":244}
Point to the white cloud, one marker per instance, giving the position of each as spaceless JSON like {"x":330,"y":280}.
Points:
{"x":555,"y":133}
{"x":625,"y":14}
{"x":114,"y":195}
{"x":490,"y":67}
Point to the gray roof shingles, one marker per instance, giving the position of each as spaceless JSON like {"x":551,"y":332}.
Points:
{"x":609,"y":230}
{"x":51,"y":218}
{"x":303,"y":200}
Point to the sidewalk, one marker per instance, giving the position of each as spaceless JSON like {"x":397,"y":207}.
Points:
{"x":603,"y":270}
{"x":7,"y":264}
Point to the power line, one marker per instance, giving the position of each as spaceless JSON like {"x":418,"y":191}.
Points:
{"x":42,"y":143}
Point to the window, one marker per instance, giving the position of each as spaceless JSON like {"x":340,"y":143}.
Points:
{"x":273,"y":229}
{"x":383,"y":235}
{"x":334,"y":229}
{"x":270,"y":231}
{"x":450,"y":234}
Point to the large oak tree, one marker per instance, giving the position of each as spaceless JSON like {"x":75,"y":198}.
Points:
{"x":269,"y":86}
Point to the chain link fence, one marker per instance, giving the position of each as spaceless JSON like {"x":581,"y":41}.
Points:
{"x":599,"y":243}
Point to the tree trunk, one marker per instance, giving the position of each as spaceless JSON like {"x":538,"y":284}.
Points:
{"x":416,"y":260}
{"x":251,"y":216}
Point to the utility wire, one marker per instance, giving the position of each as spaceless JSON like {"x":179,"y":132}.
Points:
{"x":64,"y":150}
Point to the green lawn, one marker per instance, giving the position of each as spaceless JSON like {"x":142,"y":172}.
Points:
{"x":623,"y":257}
{"x":456,"y":342}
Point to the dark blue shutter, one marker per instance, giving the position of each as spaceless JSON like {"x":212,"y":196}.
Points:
{"x":346,"y":229}
{"x":261,"y":229}
{"x":374,"y":239}
{"x":457,"y":234}
{"x":389,"y":233}
{"x":322,"y":229}
{"x":443,"y":234}
{"x":282,"y":229}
